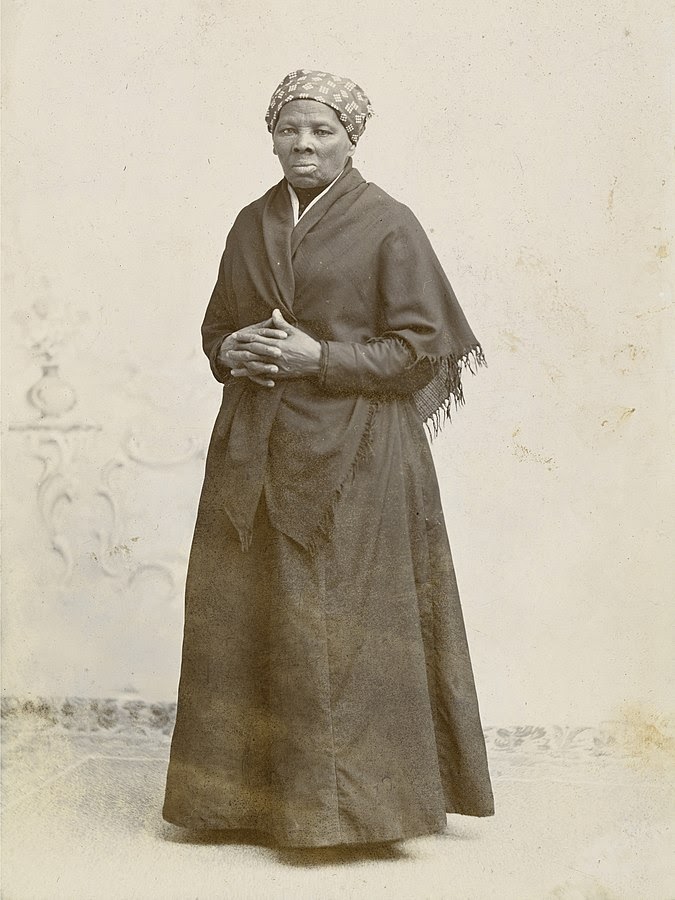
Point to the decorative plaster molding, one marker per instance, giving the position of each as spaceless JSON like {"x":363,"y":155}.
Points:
{"x":131,"y":453}
{"x":111,"y":716}
{"x":71,"y":478}
{"x":134,"y":452}
{"x":56,"y":444}
{"x":134,"y":717}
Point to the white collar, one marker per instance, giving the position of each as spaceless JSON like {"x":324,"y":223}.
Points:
{"x":295,"y":203}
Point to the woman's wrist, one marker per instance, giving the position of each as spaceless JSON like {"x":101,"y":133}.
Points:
{"x":224,"y":346}
{"x":219,"y":363}
{"x":323,"y":361}
{"x":314,"y":360}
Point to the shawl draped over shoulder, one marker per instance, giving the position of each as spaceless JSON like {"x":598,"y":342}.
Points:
{"x":326,"y":693}
{"x":357,"y":273}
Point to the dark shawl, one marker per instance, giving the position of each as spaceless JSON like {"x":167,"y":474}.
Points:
{"x":359,"y":274}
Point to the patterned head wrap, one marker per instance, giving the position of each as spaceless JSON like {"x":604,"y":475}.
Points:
{"x":344,"y":96}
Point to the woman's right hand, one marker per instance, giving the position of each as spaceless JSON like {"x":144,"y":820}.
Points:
{"x":250,"y":352}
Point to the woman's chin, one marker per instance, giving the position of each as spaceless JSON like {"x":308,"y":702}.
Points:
{"x":305,"y":180}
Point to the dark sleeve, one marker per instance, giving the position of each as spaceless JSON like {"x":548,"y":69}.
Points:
{"x":396,"y":362}
{"x":217,"y":322}
{"x":381,"y":367}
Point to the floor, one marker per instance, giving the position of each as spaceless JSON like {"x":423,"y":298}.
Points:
{"x":82,"y":820}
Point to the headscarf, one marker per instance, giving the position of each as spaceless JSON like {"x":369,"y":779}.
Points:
{"x":342,"y":95}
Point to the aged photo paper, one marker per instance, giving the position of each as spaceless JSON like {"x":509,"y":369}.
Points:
{"x":532,"y":141}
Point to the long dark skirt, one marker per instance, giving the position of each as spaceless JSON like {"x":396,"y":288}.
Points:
{"x":329,"y":698}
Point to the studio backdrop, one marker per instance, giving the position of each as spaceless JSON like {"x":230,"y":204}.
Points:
{"x":523,"y":137}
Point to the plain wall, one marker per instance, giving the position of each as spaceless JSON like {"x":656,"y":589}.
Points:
{"x":532,"y":141}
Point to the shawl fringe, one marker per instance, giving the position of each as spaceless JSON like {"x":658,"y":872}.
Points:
{"x":245,"y":538}
{"x":363,"y":452}
{"x":434,"y":402}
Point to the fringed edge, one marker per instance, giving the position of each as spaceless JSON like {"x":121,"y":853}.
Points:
{"x":473,"y":359}
{"x":245,"y":539}
{"x":363,"y":452}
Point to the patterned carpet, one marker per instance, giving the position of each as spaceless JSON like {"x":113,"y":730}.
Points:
{"x":582,"y":812}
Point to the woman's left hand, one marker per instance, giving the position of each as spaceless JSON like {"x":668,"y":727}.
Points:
{"x":300,"y":354}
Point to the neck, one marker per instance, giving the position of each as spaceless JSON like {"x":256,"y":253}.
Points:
{"x":306,"y":195}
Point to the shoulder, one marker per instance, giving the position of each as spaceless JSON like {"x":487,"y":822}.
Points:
{"x":375,"y":195}
{"x":394,"y":222}
{"x":247,"y":226}
{"x":248,"y":221}
{"x":252,"y":212}
{"x":397,"y":215}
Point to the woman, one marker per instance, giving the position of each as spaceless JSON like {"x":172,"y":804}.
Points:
{"x":326,"y":691}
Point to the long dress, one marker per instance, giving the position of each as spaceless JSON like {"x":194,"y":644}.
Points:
{"x":326,"y":693}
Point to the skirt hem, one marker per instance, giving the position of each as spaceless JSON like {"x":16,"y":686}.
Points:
{"x":286,"y":841}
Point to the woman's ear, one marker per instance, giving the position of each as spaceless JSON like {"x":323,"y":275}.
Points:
{"x":274,"y":150}
{"x":351,"y":150}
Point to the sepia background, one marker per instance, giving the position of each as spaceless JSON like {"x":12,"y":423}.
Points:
{"x":531,"y":139}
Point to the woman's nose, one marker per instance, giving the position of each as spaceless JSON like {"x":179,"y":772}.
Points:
{"x":303,"y":143}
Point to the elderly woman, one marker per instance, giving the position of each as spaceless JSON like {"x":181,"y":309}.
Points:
{"x":326,"y":692}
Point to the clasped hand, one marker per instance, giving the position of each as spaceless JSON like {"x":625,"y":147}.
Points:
{"x":270,"y":350}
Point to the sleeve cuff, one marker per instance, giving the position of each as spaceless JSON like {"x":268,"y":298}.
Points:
{"x":220,"y":372}
{"x":323,"y":363}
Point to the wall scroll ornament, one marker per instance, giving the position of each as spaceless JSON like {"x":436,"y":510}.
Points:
{"x":56,"y":445}
{"x":113,"y":554}
{"x":51,"y":395}
{"x":72,"y":492}
{"x":52,"y":438}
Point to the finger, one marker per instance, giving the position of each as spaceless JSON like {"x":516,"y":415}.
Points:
{"x":265,"y":336}
{"x":261,"y":347}
{"x":279,"y":321}
{"x":263,"y":382}
{"x":241,"y":357}
{"x":256,"y":379}
{"x":259,"y":368}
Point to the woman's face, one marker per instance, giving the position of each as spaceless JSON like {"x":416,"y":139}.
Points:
{"x":311,"y":143}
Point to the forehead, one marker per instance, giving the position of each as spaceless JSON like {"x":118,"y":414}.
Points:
{"x":313,"y":111}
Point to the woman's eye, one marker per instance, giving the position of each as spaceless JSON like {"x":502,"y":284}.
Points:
{"x":322,"y":132}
